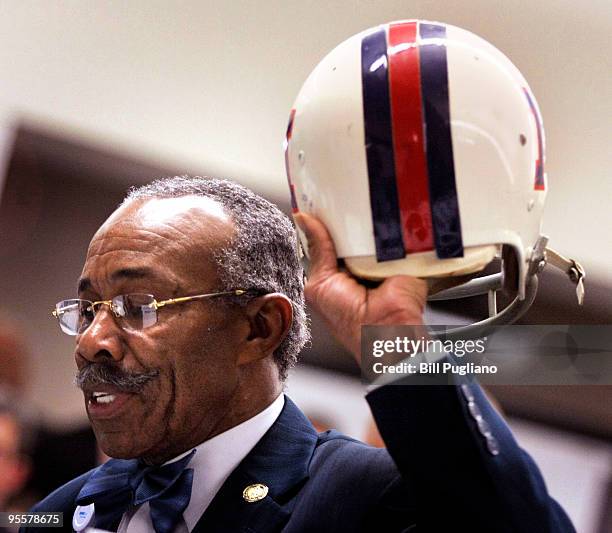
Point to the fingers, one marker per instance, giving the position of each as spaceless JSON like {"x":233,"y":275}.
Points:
{"x":321,"y":249}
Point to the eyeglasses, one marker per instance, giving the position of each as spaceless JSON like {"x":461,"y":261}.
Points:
{"x":134,"y":311}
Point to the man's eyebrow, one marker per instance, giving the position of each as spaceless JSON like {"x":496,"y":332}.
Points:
{"x":131,"y":273}
{"x":123,"y":273}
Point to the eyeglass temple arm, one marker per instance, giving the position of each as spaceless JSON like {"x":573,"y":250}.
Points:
{"x":157,"y":305}
{"x":237,"y":292}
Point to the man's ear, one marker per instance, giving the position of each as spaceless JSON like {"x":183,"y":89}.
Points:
{"x":270,"y":317}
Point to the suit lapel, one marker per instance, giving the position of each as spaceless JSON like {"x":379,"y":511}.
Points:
{"x":280,"y":462}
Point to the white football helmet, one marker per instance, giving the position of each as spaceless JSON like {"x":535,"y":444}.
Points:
{"x":421,"y":148}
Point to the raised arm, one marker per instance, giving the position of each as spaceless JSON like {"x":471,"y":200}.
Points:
{"x":448,"y":442}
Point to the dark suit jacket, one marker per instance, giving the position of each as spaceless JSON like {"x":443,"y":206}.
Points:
{"x":451,"y":464}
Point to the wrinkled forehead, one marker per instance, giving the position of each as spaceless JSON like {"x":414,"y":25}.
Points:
{"x":149,"y":232}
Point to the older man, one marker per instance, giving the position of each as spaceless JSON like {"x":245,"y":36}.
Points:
{"x":191,"y":312}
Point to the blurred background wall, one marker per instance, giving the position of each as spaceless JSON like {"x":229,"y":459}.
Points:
{"x":98,"y":96}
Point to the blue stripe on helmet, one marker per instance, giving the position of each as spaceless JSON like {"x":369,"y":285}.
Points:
{"x":379,"y":147}
{"x":436,"y":110}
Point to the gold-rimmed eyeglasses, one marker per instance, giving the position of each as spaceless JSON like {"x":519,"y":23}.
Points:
{"x":134,"y":311}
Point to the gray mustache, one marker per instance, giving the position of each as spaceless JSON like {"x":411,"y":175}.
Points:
{"x":103,"y":374}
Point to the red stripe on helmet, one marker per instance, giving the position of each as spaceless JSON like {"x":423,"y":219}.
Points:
{"x":408,"y":140}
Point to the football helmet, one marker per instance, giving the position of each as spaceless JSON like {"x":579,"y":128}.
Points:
{"x":421,"y":147}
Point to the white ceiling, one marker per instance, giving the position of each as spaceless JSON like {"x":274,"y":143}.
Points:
{"x":208,"y":85}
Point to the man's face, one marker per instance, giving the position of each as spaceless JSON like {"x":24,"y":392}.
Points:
{"x":164,"y":248}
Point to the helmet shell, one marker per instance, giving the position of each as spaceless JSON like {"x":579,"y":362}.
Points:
{"x":421,"y":148}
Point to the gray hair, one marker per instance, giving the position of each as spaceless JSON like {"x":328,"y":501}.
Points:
{"x":263,"y":254}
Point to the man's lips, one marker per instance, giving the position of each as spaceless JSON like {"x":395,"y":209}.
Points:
{"x":105,"y":401}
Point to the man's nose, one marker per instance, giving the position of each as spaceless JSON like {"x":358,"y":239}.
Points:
{"x":102,"y":339}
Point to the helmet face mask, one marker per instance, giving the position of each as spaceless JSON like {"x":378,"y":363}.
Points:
{"x":421,"y":148}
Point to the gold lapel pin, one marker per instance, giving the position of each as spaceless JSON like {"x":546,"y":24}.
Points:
{"x":255,"y":492}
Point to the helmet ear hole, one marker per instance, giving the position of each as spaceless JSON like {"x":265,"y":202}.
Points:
{"x":510,"y":271}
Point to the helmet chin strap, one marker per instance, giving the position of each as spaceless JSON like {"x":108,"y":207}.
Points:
{"x":542,"y":255}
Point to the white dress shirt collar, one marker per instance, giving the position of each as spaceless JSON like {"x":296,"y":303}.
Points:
{"x":216,"y":458}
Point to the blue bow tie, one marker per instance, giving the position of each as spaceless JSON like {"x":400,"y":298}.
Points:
{"x":118,"y":484}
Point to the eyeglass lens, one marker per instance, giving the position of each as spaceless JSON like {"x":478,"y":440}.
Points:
{"x":135,"y":311}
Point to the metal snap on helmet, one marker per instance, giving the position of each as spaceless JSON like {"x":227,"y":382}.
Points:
{"x":421,"y":148}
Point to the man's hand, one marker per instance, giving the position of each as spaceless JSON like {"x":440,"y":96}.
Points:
{"x":345,"y":304}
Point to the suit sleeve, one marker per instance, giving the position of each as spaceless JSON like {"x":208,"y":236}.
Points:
{"x":467,"y":469}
